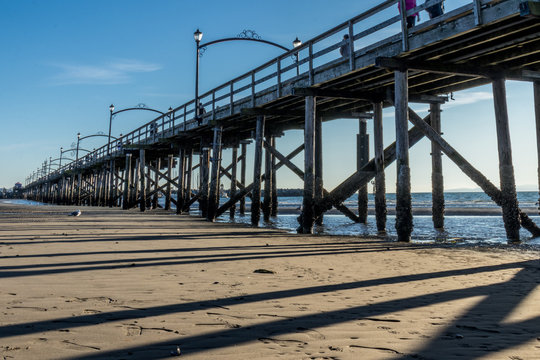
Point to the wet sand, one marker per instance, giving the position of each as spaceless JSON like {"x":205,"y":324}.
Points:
{"x":115,"y":284}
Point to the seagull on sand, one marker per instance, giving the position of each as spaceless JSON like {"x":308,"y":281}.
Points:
{"x":75,"y":213}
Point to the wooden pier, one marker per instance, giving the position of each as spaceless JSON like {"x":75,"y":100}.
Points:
{"x":483,"y":42}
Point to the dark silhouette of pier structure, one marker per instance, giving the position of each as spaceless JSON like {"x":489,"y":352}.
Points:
{"x":483,"y":42}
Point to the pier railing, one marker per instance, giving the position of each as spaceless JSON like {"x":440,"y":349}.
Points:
{"x":281,"y":72}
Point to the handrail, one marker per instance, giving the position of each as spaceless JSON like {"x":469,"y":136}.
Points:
{"x":168,"y":124}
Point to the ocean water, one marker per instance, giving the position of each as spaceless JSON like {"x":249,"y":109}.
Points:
{"x":466,"y":230}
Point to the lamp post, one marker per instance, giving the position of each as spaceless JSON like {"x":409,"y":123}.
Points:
{"x":197,"y":35}
{"x":111,"y":109}
{"x":296,"y":43}
{"x":247,"y":35}
{"x":113,"y":113}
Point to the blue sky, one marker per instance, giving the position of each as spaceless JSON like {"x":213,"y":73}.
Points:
{"x":64,"y":62}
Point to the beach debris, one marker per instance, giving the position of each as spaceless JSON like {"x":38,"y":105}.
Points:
{"x":264,"y":271}
{"x":76,"y":213}
{"x":176,"y":352}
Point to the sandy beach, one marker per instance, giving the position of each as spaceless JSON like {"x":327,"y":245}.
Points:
{"x":113,"y":284}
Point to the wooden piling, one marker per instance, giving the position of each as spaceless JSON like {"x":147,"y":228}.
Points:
{"x":180,"y":190}
{"x":213,"y":196}
{"x":112,"y":189}
{"x":155,"y":198}
{"x":189,"y":172}
{"x":506,"y":169}
{"x":404,"y":219}
{"x":170,"y":164}
{"x":267,"y":202}
{"x":536,"y":89}
{"x":127,"y":184}
{"x":274,"y":210}
{"x":142,"y":168}
{"x":204,"y":178}
{"x":307,"y":217}
{"x":380,"y":181}
{"x":148,"y":186}
{"x":242,"y":209}
{"x":362,"y":158}
{"x":319,"y":184}
{"x":232,"y":193}
{"x":79,"y":188}
{"x":256,"y":192}
{"x":437,"y":192}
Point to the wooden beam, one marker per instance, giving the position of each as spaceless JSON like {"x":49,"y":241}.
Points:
{"x":456,"y":69}
{"x":242,"y":193}
{"x":348,"y":187}
{"x":358,"y":95}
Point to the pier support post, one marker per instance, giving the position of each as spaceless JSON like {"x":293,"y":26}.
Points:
{"x":536,"y":87}
{"x":127,"y":184}
{"x":243,"y":177}
{"x":112,"y":189}
{"x":274,"y":210}
{"x":180,"y":190}
{"x":362,"y":158}
{"x":267,"y":202}
{"x":148,"y":186}
{"x":318,"y":157}
{"x":204,"y":171}
{"x":437,"y":192}
{"x":232,"y":192}
{"x":134,"y":196}
{"x":79,"y":188}
{"x":256,"y":192}
{"x":189,"y":172}
{"x":307,"y":216}
{"x":404,"y":219}
{"x":170,"y":164}
{"x":155,"y":198}
{"x":142,"y":165}
{"x":506,"y":169}
{"x":380,"y":181}
{"x":213,"y":197}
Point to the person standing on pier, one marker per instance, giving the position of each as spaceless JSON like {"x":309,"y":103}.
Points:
{"x":435,"y":10}
{"x":345,"y":49}
{"x":410,"y":4}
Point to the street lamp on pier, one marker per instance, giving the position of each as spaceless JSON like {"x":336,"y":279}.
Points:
{"x":246,"y":35}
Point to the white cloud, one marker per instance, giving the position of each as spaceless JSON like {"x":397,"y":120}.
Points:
{"x":116,"y":72}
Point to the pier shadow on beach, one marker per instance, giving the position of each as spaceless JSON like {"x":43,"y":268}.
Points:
{"x":463,"y":337}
